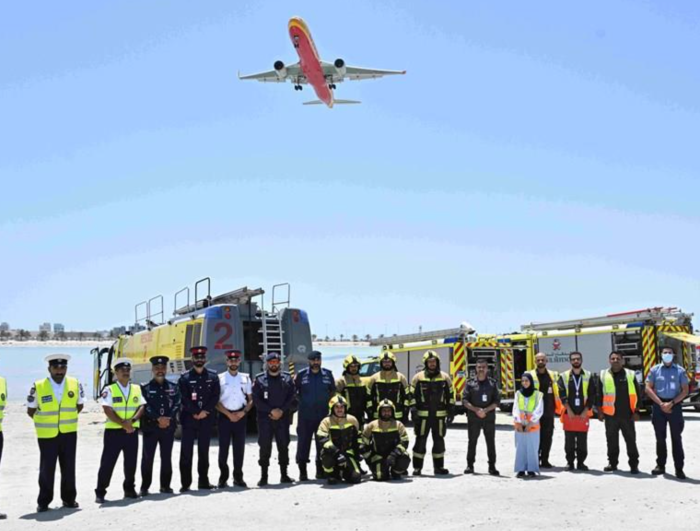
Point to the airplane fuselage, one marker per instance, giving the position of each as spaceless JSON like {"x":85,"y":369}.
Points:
{"x":309,"y":60}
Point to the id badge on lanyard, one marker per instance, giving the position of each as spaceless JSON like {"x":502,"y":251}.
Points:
{"x":577,"y":386}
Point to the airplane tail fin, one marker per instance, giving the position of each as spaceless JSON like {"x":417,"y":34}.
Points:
{"x":335,"y":102}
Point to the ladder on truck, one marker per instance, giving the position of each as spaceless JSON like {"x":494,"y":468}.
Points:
{"x":655,"y":315}
{"x":272,"y":339}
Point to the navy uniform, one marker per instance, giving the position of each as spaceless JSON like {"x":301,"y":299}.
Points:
{"x":235,"y":402}
{"x":667,"y":385}
{"x":200,"y":390}
{"x":481,"y":394}
{"x":273,"y":395}
{"x":314,"y":390}
{"x":54,"y":404}
{"x":158,"y":425}
{"x":124,"y":405}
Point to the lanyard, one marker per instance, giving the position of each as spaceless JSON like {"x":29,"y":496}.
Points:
{"x":577,"y":384}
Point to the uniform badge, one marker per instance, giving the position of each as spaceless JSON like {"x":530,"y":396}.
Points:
{"x":71,"y":394}
{"x":136,"y":399}
{"x":104,"y":394}
{"x":117,"y":399}
{"x":2,"y":396}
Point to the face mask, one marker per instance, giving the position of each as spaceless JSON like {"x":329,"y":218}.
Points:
{"x":667,"y":357}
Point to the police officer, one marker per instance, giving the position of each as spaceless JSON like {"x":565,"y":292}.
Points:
{"x":385,"y":443}
{"x":546,"y":382}
{"x":158,"y":425}
{"x":273,"y":394}
{"x":3,"y":401}
{"x":54,"y":403}
{"x":123,"y":404}
{"x":314,"y":386}
{"x":389,"y":384}
{"x":667,"y":385}
{"x":434,"y":400}
{"x":481,"y":398}
{"x":351,"y":387}
{"x":340,"y":442}
{"x":200,"y":391}
{"x":235,"y":403}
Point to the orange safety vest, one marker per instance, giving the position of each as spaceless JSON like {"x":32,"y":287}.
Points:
{"x":609,"y":392}
{"x":558,"y":406}
{"x":527,"y":409}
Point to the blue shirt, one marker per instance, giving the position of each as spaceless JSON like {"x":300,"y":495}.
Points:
{"x":667,"y":381}
{"x":314,"y":391}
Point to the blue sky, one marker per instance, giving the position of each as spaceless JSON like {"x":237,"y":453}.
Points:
{"x":538,"y":161}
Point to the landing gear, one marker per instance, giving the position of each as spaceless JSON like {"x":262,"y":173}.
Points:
{"x":331,"y":86}
{"x":298,"y":87}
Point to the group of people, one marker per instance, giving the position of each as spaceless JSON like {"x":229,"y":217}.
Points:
{"x":349,"y":420}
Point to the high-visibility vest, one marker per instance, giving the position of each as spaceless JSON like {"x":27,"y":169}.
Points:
{"x":125,"y":408}
{"x":586,"y":382}
{"x":527,"y":408}
{"x":558,"y":406}
{"x":609,"y":392}
{"x":3,"y":399}
{"x":52,"y":418}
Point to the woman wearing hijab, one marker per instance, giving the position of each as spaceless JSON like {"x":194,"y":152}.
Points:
{"x":527,"y":410}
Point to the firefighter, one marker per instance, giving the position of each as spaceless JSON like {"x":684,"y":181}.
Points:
{"x":546,"y":382}
{"x":123,"y":404}
{"x":200,"y":391}
{"x":273,"y":395}
{"x":339,"y":437}
{"x":54,"y":404}
{"x":667,"y":385}
{"x":3,"y":401}
{"x":618,"y":402}
{"x":351,"y":387}
{"x":577,"y":388}
{"x":385,"y":442}
{"x":158,"y":425}
{"x":434,"y":401}
{"x":389,"y":384}
{"x":315,"y":386}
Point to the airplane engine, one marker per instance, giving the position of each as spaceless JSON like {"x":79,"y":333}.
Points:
{"x":280,"y":69}
{"x":340,"y":67}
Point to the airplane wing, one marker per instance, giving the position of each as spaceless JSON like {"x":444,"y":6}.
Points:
{"x":271,"y":76}
{"x":356,"y":73}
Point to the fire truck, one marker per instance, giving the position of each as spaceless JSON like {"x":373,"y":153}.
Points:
{"x":234,"y":320}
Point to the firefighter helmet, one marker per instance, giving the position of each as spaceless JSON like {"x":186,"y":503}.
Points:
{"x":349,"y":360}
{"x":387,"y":355}
{"x":337,"y":399}
{"x":384,"y":404}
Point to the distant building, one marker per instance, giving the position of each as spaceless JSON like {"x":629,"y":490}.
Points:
{"x":58,"y":327}
{"x":118,"y":331}
{"x":4,"y":327}
{"x":46,"y":327}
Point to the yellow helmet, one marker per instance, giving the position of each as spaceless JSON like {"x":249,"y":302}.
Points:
{"x":387,"y":355}
{"x":349,"y":360}
{"x":334,"y":401}
{"x":386,"y":403}
{"x":430,"y":354}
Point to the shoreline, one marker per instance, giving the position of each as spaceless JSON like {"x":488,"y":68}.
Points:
{"x":54,"y":343}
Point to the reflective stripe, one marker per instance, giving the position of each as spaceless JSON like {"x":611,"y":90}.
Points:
{"x":416,"y":454}
{"x":438,"y":456}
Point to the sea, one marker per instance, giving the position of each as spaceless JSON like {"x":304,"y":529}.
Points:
{"x":22,"y":366}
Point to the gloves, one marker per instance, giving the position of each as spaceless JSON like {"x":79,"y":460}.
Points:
{"x":330,"y":448}
{"x":342,"y":460}
{"x":391,"y":460}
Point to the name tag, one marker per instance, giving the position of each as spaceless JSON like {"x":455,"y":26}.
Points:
{"x":672,"y":386}
{"x":194,"y":396}
{"x":117,"y":399}
{"x":265,"y":395}
{"x":577,"y":402}
{"x":47,"y":398}
{"x":484,"y":398}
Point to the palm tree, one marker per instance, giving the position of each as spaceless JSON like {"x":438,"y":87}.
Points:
{"x":4,"y":334}
{"x":354,"y":338}
{"x":341,"y":337}
{"x":43,"y":335}
{"x":367,"y":337}
{"x":22,"y":334}
{"x":314,"y":337}
{"x":61,"y":336}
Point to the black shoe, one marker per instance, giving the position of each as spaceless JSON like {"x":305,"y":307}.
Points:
{"x":658,"y":470}
{"x":520,"y":474}
{"x":404,"y":473}
{"x":131,"y":495}
{"x":531,"y":474}
{"x":570,"y":467}
{"x":42,"y":508}
{"x":582,"y":467}
{"x":167,"y":491}
{"x":262,"y":482}
{"x":71,"y":505}
{"x":418,"y":472}
{"x":634,"y":470}
{"x":439,"y":472}
{"x":546,"y":464}
{"x":680,"y":474}
{"x":3,"y":516}
{"x":332,"y":480}
{"x":222,"y":485}
{"x":303,"y":473}
{"x":469,"y":470}
{"x":610,"y":468}
{"x":320,"y":474}
{"x":143,"y":493}
{"x":206,"y":486}
{"x":184,"y":489}
{"x":238,"y":482}
{"x":396,"y":475}
{"x":494,"y":472}
{"x":99,"y":499}
{"x":284,"y":478}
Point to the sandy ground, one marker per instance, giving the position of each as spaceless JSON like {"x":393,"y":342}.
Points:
{"x":556,"y":500}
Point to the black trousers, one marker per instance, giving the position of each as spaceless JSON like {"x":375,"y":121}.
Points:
{"x":306,"y":433}
{"x":116,"y":442}
{"x":676,"y":423}
{"x":152,"y":439}
{"x":613,"y":427}
{"x":381,"y":470}
{"x":231,"y":434}
{"x":546,"y":434}
{"x":576,"y":446}
{"x":279,"y":430}
{"x":201,"y":431}
{"x":474,"y":428}
{"x":349,"y":471}
{"x":424,"y":427}
{"x":62,"y":449}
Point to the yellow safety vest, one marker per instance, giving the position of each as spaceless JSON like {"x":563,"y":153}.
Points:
{"x":52,"y":418}
{"x":558,"y":406}
{"x":3,"y":399}
{"x":124,"y":406}
{"x":609,"y":391}
{"x":586,"y":382}
{"x":527,"y":409}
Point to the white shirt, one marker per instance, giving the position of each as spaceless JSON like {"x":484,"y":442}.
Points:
{"x":107,"y":395}
{"x":57,"y":389}
{"x":234,"y":390}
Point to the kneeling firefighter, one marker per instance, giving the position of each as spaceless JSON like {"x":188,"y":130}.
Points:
{"x":386,"y":441}
{"x":339,"y":438}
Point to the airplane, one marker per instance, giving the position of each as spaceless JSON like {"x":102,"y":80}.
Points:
{"x":311,"y":70}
